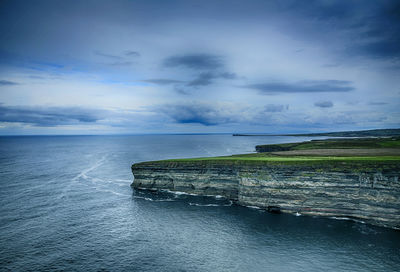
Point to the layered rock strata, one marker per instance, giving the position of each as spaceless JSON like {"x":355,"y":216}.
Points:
{"x":366,"y":191}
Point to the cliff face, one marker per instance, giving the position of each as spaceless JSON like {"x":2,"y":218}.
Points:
{"x":187,"y":177}
{"x":369,"y":191}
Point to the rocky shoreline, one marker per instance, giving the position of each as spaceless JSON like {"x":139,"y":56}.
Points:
{"x":367,"y":191}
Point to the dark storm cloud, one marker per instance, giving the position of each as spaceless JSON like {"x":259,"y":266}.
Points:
{"x":162,"y":81}
{"x":194,"y":61}
{"x":49,"y":116}
{"x":324,"y":104}
{"x":386,"y":49}
{"x":373,"y":27}
{"x":194,"y":113}
{"x":380,"y":32}
{"x":207,"y":78}
{"x":315,"y":86}
{"x":366,"y":28}
{"x":7,"y":83}
{"x":203,"y":79}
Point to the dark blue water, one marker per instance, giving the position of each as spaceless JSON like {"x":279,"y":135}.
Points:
{"x":66,"y":204}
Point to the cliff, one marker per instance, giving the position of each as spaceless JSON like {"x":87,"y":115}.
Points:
{"x":361,"y":189}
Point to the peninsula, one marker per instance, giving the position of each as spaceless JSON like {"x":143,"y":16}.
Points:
{"x":356,"y":179}
{"x":357,"y":133}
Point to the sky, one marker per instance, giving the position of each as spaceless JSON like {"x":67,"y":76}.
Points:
{"x":250,"y":66}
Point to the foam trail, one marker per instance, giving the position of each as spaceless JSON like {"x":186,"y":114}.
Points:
{"x":254,"y":207}
{"x":87,"y":170}
{"x":210,"y":205}
{"x":204,"y":205}
{"x":112,"y":192}
{"x":178,"y":193}
{"x":154,"y":200}
{"x":83,"y":175}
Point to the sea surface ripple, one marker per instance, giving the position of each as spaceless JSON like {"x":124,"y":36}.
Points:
{"x":66,"y":205}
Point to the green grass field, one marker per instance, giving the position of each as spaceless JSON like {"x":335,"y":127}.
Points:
{"x":358,"y":143}
{"x":251,"y":157}
{"x":368,"y":143}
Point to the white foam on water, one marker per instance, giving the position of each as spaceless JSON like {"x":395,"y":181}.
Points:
{"x":154,"y":200}
{"x":204,"y":205}
{"x":253,"y":207}
{"x":178,"y":193}
{"x":347,"y":219}
{"x":211,"y":204}
{"x":112,"y":192}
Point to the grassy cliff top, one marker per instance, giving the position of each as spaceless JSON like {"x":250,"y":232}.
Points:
{"x":354,"y":155}
{"x":364,"y":155}
{"x":356,"y":143}
{"x":340,"y":150}
{"x":273,"y":158}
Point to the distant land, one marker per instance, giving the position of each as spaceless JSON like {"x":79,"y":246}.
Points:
{"x":360,"y":133}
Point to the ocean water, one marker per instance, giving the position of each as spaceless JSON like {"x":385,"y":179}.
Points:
{"x":66,"y":205}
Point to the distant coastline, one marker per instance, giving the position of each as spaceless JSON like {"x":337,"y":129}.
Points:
{"x":360,"y":133}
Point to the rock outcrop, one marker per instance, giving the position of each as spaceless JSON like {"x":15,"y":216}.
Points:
{"x":363,"y":190}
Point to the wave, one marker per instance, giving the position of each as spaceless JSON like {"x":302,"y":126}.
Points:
{"x":204,"y":205}
{"x":178,"y":193}
{"x":154,"y":200}
{"x":253,"y":207}
{"x":347,"y":219}
{"x":112,"y":192}
{"x":211,"y":204}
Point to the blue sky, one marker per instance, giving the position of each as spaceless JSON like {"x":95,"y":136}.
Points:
{"x":111,"y":67}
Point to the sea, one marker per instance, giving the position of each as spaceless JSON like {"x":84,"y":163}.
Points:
{"x":66,"y":204}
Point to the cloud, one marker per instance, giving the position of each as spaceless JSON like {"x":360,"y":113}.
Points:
{"x":120,"y":63}
{"x":275,"y":108}
{"x":132,"y":54}
{"x":315,"y":86}
{"x":370,"y":29}
{"x":118,"y":57}
{"x":191,"y":49}
{"x":7,"y":83}
{"x":379,"y":32}
{"x":377,"y":103}
{"x":49,"y":116}
{"x":208,"y":78}
{"x":162,"y":81}
{"x":324,"y":104}
{"x":197,"y":113}
{"x":194,"y":61}
{"x":203,"y":79}
{"x":98,"y":53}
